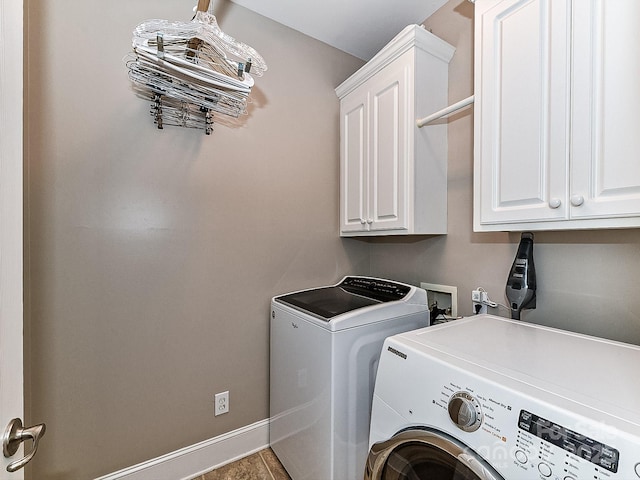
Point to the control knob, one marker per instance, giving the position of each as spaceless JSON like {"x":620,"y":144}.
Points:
{"x":465,"y":412}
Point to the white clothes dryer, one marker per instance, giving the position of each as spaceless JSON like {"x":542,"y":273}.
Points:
{"x":495,"y":399}
{"x":325,"y":346}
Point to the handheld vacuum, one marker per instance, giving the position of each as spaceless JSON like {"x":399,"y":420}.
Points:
{"x":521,"y":283}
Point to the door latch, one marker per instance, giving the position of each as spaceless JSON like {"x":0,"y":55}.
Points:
{"x":14,"y":435}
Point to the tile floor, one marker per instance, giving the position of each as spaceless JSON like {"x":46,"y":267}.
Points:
{"x":263,"y":465}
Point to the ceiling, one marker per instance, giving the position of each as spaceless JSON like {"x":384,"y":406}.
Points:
{"x":358,"y":27}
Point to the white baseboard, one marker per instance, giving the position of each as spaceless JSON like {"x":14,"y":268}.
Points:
{"x":197,"y":459}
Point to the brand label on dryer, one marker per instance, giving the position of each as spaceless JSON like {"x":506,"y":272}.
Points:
{"x":397,"y":352}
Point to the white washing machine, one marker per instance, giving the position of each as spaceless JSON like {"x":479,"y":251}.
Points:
{"x":325,"y":346}
{"x":491,"y":398}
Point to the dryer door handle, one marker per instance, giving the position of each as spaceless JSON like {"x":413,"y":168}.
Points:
{"x":475,"y":466}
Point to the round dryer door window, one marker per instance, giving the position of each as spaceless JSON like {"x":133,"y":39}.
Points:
{"x":418,"y":454}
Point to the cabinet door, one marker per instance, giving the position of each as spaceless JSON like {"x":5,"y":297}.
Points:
{"x":388,"y":145}
{"x":521,"y":111}
{"x":354,"y":127}
{"x":606,"y":117}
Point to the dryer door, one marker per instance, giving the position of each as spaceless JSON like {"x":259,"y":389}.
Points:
{"x":421,"y":454}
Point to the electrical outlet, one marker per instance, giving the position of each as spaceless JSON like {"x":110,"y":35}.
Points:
{"x":221,"y":403}
{"x":479,"y":299}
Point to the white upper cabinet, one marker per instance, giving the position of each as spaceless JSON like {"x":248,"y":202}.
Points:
{"x":557,"y":114}
{"x":393,"y":175}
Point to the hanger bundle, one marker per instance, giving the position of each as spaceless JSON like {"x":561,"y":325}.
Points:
{"x":192,"y":71}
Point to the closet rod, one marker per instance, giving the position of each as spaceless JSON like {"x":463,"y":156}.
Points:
{"x":445,"y":111}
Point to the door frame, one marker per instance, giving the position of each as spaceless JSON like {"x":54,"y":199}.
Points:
{"x":11,"y":220}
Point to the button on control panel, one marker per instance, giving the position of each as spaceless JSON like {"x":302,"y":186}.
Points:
{"x":544,"y":469}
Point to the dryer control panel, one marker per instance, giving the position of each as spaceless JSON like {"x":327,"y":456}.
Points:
{"x":577,"y":456}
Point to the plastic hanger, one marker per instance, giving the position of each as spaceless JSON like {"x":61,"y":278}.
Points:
{"x":179,"y":38}
{"x":184,"y":69}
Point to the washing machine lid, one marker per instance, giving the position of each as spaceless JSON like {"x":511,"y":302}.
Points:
{"x":352,"y":293}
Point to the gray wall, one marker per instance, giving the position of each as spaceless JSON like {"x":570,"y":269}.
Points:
{"x":587,"y":280}
{"x":152,"y":255}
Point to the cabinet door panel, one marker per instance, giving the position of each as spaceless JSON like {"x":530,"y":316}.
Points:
{"x":606,"y":134}
{"x":523,"y":108}
{"x":353,"y":142}
{"x":388,"y":201}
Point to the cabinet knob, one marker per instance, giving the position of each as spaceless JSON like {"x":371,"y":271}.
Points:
{"x":363,"y":221}
{"x":577,"y":200}
{"x":555,"y":202}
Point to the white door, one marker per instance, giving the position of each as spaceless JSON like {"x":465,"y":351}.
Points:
{"x":11,"y":339}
